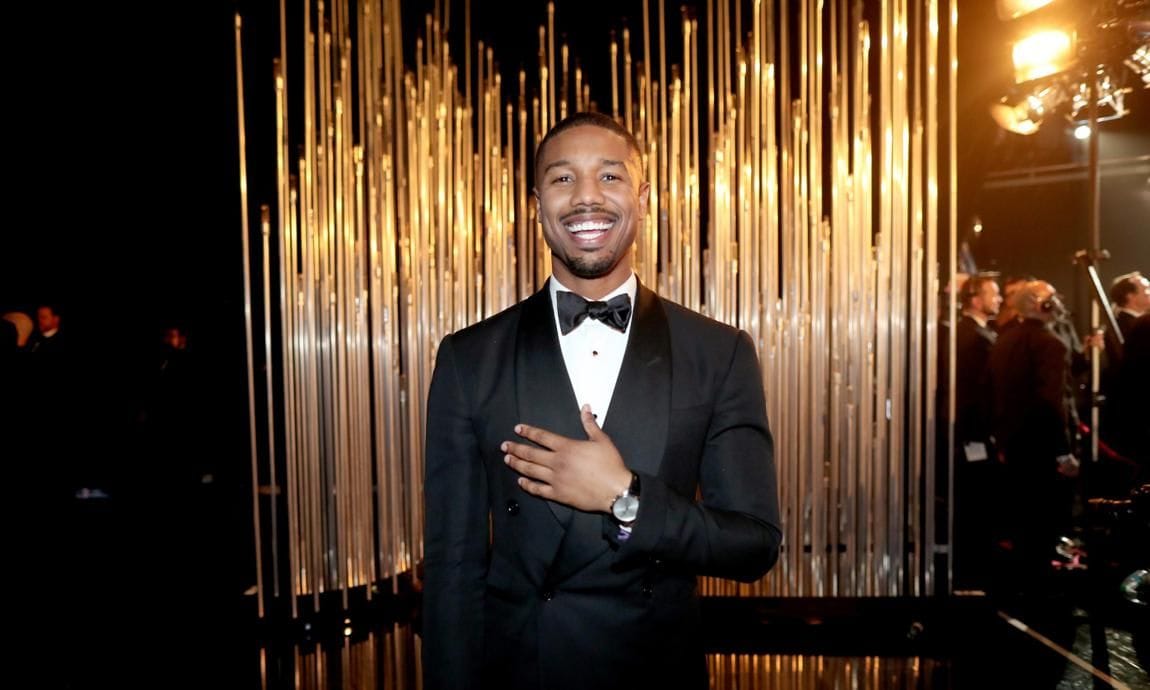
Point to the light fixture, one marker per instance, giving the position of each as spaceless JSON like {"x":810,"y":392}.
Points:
{"x":1082,"y":132}
{"x":1078,"y":69}
{"x":1013,"y":9}
{"x":1110,"y":97}
{"x":1139,"y":63}
{"x":1042,"y":54}
{"x":1024,"y":115}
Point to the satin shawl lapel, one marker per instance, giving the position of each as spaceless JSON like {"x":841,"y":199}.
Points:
{"x":544,"y":395}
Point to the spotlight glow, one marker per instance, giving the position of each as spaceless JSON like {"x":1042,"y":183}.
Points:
{"x":1042,"y":54}
{"x":1013,"y":9}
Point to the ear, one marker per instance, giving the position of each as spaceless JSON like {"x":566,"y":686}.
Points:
{"x":644,"y":195}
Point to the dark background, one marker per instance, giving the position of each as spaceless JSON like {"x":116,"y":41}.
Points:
{"x":122,"y":206}
{"x":123,"y":202}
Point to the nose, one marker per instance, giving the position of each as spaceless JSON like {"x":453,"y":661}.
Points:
{"x":587,"y":192}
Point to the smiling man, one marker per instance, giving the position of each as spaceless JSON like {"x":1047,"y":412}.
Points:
{"x":590,"y":452}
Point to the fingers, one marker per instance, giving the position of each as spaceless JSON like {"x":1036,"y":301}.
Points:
{"x":525,"y":452}
{"x":528,"y":461}
{"x":590,"y":424}
{"x":542,"y":437}
{"x":534,"y":488}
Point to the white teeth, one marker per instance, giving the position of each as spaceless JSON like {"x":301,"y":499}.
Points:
{"x":588,"y":226}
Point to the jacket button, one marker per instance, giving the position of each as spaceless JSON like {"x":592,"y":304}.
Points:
{"x":547,"y":594}
{"x":513,"y":507}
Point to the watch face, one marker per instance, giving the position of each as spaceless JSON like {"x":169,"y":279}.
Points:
{"x":625,"y":508}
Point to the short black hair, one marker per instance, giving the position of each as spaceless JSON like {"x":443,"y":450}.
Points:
{"x":587,"y":119}
{"x":1124,"y":286}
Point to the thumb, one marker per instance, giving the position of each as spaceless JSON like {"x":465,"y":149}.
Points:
{"x":590,"y":425}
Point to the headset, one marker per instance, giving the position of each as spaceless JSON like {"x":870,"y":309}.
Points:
{"x":1054,"y":306}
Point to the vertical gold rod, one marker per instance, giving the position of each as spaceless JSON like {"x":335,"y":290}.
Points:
{"x":309,"y":547}
{"x":581,"y":100}
{"x":565,"y":93}
{"x":930,"y":420}
{"x":252,"y":434}
{"x":614,"y":77}
{"x":952,"y":260}
{"x":864,"y":324}
{"x":269,"y":368}
{"x":692,"y":147}
{"x":628,"y":120}
{"x":668,"y":238}
{"x":816,"y":426}
{"x":522,"y":235}
{"x":646,"y":117}
{"x":880,"y":458}
{"x":550,"y":65}
{"x":915,"y":384}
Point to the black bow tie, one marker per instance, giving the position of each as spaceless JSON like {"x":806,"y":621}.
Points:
{"x":573,"y":310}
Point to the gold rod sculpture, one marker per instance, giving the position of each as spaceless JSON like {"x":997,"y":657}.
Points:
{"x":248,"y":350}
{"x":410,"y":216}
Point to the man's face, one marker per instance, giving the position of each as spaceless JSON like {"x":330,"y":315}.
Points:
{"x":46,"y":319}
{"x":1140,"y":300}
{"x":591,"y":202}
{"x":988,"y":299}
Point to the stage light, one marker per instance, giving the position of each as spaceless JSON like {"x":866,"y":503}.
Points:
{"x":1013,"y":9}
{"x":1139,"y":63}
{"x":1082,"y":132}
{"x":1025,"y":115}
{"x":1042,"y":54}
{"x":1110,"y":97}
{"x":1078,"y":70}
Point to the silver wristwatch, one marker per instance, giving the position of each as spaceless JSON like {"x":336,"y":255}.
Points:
{"x":625,"y":507}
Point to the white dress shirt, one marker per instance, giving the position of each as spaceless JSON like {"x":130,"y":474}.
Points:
{"x":593,"y":352}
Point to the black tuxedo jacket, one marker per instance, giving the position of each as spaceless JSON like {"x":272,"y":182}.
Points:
{"x":520,"y":592}
{"x":972,"y":386}
{"x":1029,"y":366}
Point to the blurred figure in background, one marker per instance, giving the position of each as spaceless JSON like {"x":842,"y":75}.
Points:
{"x":1007,"y":314}
{"x":1029,"y":374}
{"x":976,"y":474}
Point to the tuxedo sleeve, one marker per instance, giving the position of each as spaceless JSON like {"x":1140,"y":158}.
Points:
{"x":456,"y":534}
{"x":733,"y":531}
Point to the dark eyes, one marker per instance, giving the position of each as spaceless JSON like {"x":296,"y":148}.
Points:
{"x":606,"y":177}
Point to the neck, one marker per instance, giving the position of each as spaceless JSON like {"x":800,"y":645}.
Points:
{"x":593,"y":288}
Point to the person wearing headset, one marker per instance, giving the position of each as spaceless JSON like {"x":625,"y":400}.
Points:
{"x":1029,"y":375}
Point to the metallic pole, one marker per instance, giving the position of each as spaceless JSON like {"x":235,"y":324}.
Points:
{"x":248,"y":318}
{"x":1095,"y":193}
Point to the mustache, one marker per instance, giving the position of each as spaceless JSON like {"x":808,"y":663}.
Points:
{"x":587,"y":210}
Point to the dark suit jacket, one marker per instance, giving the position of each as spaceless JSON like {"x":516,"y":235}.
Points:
{"x":520,"y":592}
{"x":972,"y":381}
{"x":1028,"y":370}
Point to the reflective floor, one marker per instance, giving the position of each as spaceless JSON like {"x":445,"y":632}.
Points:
{"x":1001,"y":657}
{"x":128,"y":603}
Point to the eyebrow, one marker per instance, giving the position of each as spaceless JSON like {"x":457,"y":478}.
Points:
{"x":605,"y":162}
